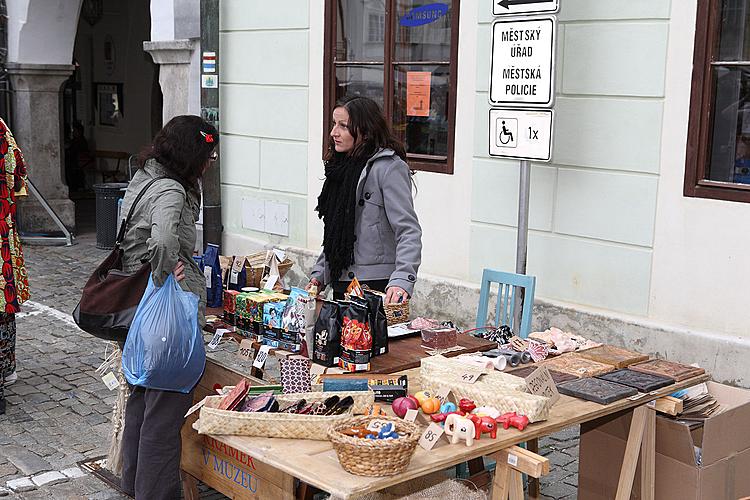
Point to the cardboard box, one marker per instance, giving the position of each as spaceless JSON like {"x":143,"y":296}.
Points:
{"x":724,"y":442}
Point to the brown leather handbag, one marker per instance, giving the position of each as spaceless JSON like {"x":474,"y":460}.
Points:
{"x":111,"y":296}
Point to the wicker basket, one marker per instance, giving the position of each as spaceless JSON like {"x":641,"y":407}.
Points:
{"x":255,"y":266}
{"x":374,"y":457}
{"x":395,"y":313}
{"x":280,"y":425}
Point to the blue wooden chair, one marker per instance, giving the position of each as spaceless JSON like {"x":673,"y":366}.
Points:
{"x":508,"y":286}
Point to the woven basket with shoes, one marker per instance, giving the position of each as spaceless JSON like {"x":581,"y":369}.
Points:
{"x":374,"y":457}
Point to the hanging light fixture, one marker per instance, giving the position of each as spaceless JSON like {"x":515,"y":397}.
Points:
{"x":92,"y":11}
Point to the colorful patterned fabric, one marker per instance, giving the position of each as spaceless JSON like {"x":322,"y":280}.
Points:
{"x":14,"y":279}
{"x":7,"y":344}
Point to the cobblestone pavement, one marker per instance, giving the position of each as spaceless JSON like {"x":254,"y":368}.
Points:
{"x":58,"y":410}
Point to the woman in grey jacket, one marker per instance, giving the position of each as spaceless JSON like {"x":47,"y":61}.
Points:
{"x":370,"y":228}
{"x":163,"y":233}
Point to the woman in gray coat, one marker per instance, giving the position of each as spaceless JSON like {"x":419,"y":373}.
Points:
{"x":370,"y":228}
{"x":162,"y":232}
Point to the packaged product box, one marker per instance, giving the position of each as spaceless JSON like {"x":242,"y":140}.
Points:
{"x":699,"y":464}
{"x":230,"y":306}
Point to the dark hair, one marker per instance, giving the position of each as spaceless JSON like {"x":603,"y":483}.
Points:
{"x":368,"y":127}
{"x":183,"y":146}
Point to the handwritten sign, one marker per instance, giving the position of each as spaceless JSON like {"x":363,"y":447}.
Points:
{"x":471,"y":377}
{"x":430,"y":436}
{"x":411,"y":415}
{"x":217,"y":338}
{"x":443,"y":394}
{"x":418,"y":93}
{"x":246,"y":350}
{"x":260,"y":359}
{"x":111,"y":381}
{"x":540,"y":382}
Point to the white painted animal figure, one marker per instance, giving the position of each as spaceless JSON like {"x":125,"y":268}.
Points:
{"x":458,"y":428}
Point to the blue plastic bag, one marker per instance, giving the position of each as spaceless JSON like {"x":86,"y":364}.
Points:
{"x":164,"y":349}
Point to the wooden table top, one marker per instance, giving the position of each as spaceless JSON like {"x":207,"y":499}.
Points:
{"x":315,"y":462}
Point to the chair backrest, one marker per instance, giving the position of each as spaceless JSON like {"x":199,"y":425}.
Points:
{"x":508,"y":287}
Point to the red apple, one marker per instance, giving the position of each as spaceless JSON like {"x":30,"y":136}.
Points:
{"x":402,"y":405}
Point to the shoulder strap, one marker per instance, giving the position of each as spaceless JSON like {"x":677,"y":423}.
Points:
{"x":126,"y":221}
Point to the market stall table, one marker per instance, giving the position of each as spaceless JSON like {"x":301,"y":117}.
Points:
{"x":258,"y":467}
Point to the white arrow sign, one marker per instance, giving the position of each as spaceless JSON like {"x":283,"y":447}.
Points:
{"x":521,"y":134}
{"x":523,"y":62}
{"x":514,"y":7}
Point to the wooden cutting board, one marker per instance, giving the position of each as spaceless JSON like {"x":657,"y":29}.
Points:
{"x":525,"y":371}
{"x":677,"y":371}
{"x":611,"y":355}
{"x":644,"y":382}
{"x":596,"y":390}
{"x":577,"y":366}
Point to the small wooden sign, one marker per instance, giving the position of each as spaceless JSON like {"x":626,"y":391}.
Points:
{"x":540,"y":382}
{"x":246,"y":350}
{"x":431,"y":436}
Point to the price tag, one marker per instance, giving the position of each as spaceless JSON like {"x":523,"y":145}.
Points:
{"x":471,"y":377}
{"x":280,"y":254}
{"x":111,"y":381}
{"x":233,"y":278}
{"x":431,"y":436}
{"x":271,"y":282}
{"x":443,"y":394}
{"x":246,"y":350}
{"x":195,"y":407}
{"x":217,"y":338}
{"x":207,"y":274}
{"x":237,"y":264}
{"x":540,"y":382}
{"x":637,"y":396}
{"x":411,"y":415}
{"x":512,"y":459}
{"x":260,"y":359}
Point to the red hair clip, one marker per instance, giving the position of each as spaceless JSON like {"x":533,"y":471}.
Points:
{"x":207,"y":137}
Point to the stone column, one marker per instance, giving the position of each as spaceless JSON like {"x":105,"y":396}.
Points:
{"x":37,"y":127}
{"x":173,"y":58}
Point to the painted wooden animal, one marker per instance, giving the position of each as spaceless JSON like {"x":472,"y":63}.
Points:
{"x":483,"y":425}
{"x":458,"y":428}
{"x":440,"y":417}
{"x":512,"y":419}
{"x":466,"y":405}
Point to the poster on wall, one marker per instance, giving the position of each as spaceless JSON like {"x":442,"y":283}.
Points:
{"x":418,"y":93}
{"x":109,"y":102}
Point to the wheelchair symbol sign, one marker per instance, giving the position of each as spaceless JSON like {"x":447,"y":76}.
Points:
{"x":507,"y":132}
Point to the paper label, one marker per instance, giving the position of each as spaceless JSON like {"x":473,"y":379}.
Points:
{"x":540,"y":382}
{"x":271,"y":282}
{"x":411,"y":415}
{"x":260,"y":359}
{"x":246,"y":350}
{"x":237,"y":264}
{"x":195,"y":407}
{"x":280,"y":254}
{"x":512,"y":459}
{"x":637,"y":396}
{"x":217,"y":338}
{"x":207,"y":274}
{"x":443,"y":394}
{"x":111,"y":381}
{"x":471,"y":377}
{"x":430,"y":436}
{"x":233,"y":278}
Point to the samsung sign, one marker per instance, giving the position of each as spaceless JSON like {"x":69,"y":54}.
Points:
{"x":425,"y":14}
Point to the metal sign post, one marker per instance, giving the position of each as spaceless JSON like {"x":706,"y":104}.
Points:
{"x":522,"y":70}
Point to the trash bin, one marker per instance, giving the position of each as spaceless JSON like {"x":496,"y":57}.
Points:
{"x":107,"y":198}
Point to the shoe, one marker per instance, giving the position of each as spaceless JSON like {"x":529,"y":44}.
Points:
{"x":11,"y":379}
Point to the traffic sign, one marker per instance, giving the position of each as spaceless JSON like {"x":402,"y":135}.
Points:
{"x":522,"y":67}
{"x":523,"y":134}
{"x":514,"y":7}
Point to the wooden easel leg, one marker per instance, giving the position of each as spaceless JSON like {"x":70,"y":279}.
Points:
{"x":533,"y":446}
{"x":189,"y":486}
{"x":501,"y":484}
{"x":648,"y":457}
{"x":632,"y":450}
{"x":516,"y":486}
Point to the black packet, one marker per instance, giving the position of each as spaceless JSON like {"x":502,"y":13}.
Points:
{"x":327,"y":347}
{"x":378,"y":322}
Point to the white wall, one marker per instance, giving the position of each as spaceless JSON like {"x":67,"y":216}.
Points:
{"x":162,"y":20}
{"x":701,"y":246}
{"x":42,"y":31}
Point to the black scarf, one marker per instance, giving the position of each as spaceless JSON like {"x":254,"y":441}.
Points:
{"x":336,"y":206}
